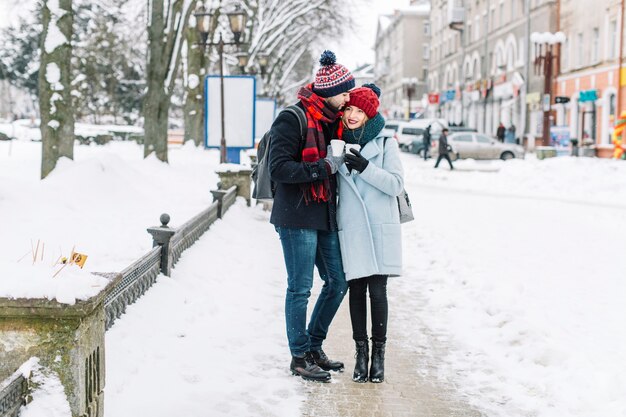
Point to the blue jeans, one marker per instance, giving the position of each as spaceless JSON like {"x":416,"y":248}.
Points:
{"x":303,"y":249}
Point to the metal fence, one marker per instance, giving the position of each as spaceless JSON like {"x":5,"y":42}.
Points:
{"x":132,"y":284}
{"x":168,"y":247}
{"x":13,"y":395}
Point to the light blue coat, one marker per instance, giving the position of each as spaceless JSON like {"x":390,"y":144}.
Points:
{"x":367,"y":212}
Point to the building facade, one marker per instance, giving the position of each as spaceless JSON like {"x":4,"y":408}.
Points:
{"x":480,"y":73}
{"x":590,"y":71}
{"x":401,"y":50}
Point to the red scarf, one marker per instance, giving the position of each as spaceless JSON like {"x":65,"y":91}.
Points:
{"x":317,"y":112}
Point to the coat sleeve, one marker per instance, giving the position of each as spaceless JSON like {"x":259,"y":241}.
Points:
{"x":285,"y":154}
{"x":390,"y":177}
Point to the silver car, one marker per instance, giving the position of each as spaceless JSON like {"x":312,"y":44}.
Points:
{"x":480,"y":146}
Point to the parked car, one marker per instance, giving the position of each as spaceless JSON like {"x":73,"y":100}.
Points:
{"x":480,"y":146}
{"x":436,"y":126}
{"x":407,"y":132}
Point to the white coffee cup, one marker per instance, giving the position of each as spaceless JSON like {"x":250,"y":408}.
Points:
{"x":352,"y":146}
{"x":337,"y":146}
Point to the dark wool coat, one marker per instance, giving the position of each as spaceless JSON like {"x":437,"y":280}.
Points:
{"x":288,"y":171}
{"x":443,"y":145}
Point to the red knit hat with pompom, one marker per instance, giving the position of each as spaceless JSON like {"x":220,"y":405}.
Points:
{"x":366,"y":99}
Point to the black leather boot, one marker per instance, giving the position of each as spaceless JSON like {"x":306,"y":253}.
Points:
{"x":308,"y":370}
{"x":377,"y":370}
{"x":362,"y":360}
{"x":320,"y":358}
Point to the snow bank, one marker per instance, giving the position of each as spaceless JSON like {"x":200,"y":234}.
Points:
{"x":101,"y":203}
{"x":23,"y":280}
{"x":49,"y":399}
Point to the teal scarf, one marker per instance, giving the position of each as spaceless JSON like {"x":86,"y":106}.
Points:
{"x":365,"y":133}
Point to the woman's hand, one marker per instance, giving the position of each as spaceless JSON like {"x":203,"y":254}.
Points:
{"x":356,"y":161}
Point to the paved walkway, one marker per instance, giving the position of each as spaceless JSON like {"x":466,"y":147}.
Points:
{"x":411,"y":387}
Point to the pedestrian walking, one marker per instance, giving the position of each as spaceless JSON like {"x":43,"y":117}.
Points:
{"x":444,"y":149}
{"x":369,"y":225}
{"x":500,"y":132}
{"x":510,"y":134}
{"x":427,"y":142}
{"x":304,"y":215}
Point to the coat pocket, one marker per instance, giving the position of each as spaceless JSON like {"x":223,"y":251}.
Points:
{"x":391,"y":238}
{"x":357,"y":252}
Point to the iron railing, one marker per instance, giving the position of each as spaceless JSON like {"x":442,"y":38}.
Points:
{"x":191,"y":231}
{"x":133,"y":283}
{"x":13,"y":394}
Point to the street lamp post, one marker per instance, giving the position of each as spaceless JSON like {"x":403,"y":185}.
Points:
{"x":545,"y":54}
{"x":237,"y":20}
{"x":409,"y":85}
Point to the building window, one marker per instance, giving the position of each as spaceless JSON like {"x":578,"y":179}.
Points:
{"x":501,"y":17}
{"x":612,"y":39}
{"x":565,"y":54}
{"x":579,"y":54}
{"x":426,"y":52}
{"x":477,"y":28}
{"x":493,"y":19}
{"x":427,"y":28}
{"x":595,"y":45}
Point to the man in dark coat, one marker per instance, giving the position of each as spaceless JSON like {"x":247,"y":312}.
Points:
{"x":304,"y":215}
{"x":444,"y":148}
{"x":427,"y":142}
{"x":500,"y":132}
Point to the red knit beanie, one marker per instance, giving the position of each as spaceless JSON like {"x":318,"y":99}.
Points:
{"x":366,"y":99}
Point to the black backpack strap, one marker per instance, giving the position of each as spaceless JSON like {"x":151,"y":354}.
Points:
{"x":299,"y":113}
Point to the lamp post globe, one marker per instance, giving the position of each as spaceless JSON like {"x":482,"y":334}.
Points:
{"x":237,"y":19}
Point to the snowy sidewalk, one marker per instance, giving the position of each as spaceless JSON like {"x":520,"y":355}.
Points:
{"x":211,"y":341}
{"x":411,"y":387}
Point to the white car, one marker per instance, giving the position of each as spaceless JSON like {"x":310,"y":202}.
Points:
{"x":480,"y":146}
{"x":409,"y":131}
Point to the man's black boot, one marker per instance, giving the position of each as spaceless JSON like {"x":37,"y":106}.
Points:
{"x":377,"y":370}
{"x":308,"y":370}
{"x":362,"y":360}
{"x":320,"y":358}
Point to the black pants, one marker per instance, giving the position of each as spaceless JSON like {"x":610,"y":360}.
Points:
{"x":358,"y":307}
{"x":442,"y":156}
{"x":426,"y":152}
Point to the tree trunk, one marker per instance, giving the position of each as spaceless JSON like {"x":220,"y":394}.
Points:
{"x":196,"y":69}
{"x":156,"y":102}
{"x":155,"y":115}
{"x":164,"y":48}
{"x":55,"y":100}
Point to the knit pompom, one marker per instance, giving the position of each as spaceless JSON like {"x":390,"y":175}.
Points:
{"x":374,"y":88}
{"x":328,"y":58}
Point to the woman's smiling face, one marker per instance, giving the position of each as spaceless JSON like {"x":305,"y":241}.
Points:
{"x":353,"y":117}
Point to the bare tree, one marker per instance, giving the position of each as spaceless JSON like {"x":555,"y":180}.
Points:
{"x":166,"y":28}
{"x":55,"y":101}
{"x":290,"y":32}
{"x":196,"y":63}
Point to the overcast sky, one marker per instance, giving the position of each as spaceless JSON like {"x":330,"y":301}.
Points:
{"x":357,"y":48}
{"x":354,"y":49}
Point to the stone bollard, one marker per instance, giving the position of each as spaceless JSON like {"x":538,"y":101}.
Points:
{"x":543,"y":152}
{"x":161,"y":236}
{"x":68,"y":339}
{"x":237,"y":175}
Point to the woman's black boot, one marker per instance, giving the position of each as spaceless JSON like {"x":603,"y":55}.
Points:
{"x":362,"y":358}
{"x":377,"y":371}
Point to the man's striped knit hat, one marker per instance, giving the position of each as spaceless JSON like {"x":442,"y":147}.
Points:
{"x":332,"y":79}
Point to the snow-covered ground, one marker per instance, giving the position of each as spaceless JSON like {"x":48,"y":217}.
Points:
{"x":519,"y":271}
{"x":525,"y":276}
{"x":100,"y":204}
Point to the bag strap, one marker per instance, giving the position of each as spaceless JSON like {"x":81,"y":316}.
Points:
{"x":299,"y":113}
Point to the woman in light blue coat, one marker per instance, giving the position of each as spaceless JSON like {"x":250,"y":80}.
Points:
{"x":369,"y":223}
